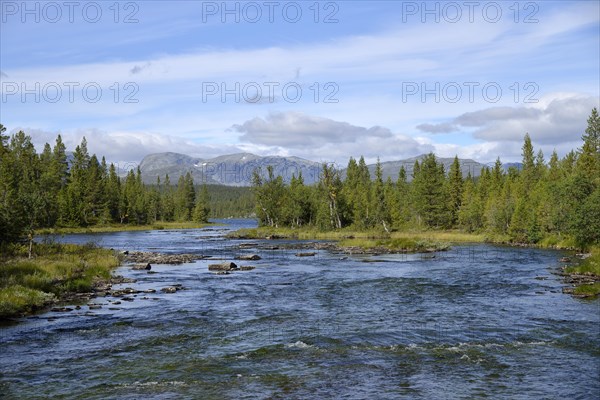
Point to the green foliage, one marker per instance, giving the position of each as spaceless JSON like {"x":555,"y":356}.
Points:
{"x":589,"y":266}
{"x":202,"y":207}
{"x":430,"y":194}
{"x":18,"y":299}
{"x":27,"y":284}
{"x":556,"y":202}
{"x":592,"y":289}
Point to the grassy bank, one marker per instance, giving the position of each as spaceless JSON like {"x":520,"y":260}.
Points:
{"x":122,"y":228}
{"x":56,"y":271}
{"x":411,"y":241}
{"x":442,"y":236}
{"x":348,"y":234}
{"x":591,"y":267}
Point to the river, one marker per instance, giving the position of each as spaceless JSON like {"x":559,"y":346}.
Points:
{"x":477,"y":321}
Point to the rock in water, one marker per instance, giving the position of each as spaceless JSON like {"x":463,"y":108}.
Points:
{"x":146,"y":266}
{"x":305,"y":254}
{"x":249,"y":257}
{"x":169,"y":289}
{"x":226,"y":266}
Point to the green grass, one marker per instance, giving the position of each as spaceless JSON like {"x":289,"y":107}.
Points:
{"x":342,"y":234}
{"x":57,"y":269}
{"x":18,"y":299}
{"x":588,"y":289}
{"x":434,"y":236}
{"x":122,"y":228}
{"x":558,"y":242}
{"x":589,"y":266}
{"x":396,"y":244}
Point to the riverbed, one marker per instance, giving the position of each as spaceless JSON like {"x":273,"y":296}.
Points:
{"x":477,"y":321}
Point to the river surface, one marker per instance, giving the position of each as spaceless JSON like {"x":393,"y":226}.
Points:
{"x":477,"y":321}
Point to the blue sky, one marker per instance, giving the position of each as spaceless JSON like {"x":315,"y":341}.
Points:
{"x":394,"y":79}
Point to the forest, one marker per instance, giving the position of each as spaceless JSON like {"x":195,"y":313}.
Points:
{"x":43,"y":190}
{"x":556,"y":202}
{"x":553,"y":202}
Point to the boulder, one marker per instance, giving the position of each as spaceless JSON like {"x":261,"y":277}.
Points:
{"x":249,"y":257}
{"x":169,"y":289}
{"x":142,"y":266}
{"x":305,"y":254}
{"x":246,"y":268}
{"x":226,"y":266}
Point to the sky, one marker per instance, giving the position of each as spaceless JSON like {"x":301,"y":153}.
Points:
{"x":319,"y":80}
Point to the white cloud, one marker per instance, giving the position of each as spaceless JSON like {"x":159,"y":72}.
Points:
{"x":324,"y":139}
{"x":298,"y":131}
{"x":556,"y":120}
{"x":122,"y":146}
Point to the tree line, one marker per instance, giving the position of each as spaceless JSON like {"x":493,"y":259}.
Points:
{"x":46,"y":190}
{"x":556,"y":200}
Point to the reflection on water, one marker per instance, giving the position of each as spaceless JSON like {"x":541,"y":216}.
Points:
{"x":476,"y":321}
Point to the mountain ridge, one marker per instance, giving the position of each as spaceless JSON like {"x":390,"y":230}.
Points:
{"x":236,"y":169}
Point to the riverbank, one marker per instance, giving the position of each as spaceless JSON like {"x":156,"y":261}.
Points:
{"x":369,"y":239}
{"x":347,"y":234}
{"x":56,"y":273}
{"x":350,"y":241}
{"x":122,"y":228}
{"x":585,"y":275}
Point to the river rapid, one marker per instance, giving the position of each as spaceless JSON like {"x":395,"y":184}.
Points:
{"x":477,"y":321}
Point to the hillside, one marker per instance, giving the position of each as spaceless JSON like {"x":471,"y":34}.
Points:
{"x":236,"y":169}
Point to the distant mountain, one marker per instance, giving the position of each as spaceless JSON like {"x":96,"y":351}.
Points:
{"x":231,"y":170}
{"x":392,"y":168}
{"x":236,"y":169}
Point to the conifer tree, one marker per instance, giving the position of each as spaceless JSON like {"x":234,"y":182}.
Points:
{"x":455,"y":189}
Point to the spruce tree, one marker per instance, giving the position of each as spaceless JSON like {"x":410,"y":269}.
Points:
{"x":455,"y":189}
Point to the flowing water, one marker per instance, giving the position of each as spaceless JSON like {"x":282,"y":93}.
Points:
{"x":477,"y":321}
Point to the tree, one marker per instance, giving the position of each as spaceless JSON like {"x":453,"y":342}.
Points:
{"x":185,"y":198}
{"x":470,"y":214}
{"x":269,"y":194}
{"x":381,"y":212}
{"x":401,"y":209}
{"x":74,"y":208}
{"x":3,"y":140}
{"x":358,"y":194}
{"x":591,"y":138}
{"x":297,"y":210}
{"x":584,"y":184}
{"x":587,"y":223}
{"x":430,"y":194}
{"x":113,"y":195}
{"x":168,"y":200}
{"x":455,"y":189}
{"x":529,"y":172}
{"x":24,"y":196}
{"x":202,"y":208}
{"x":330,"y":187}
